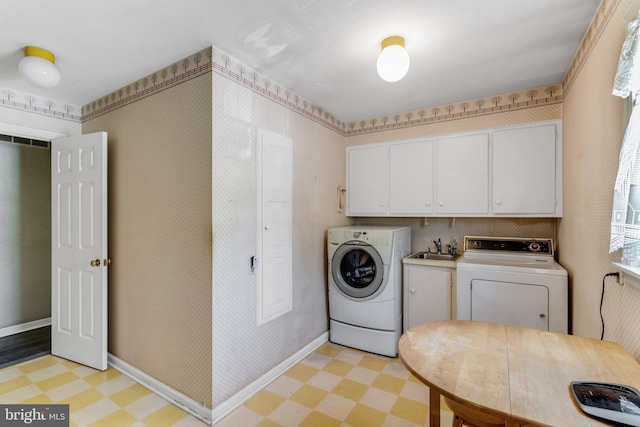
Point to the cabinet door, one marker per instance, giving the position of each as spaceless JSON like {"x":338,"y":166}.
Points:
{"x":462,"y":175}
{"x":524,"y":170}
{"x":515,"y":304}
{"x":367,"y":186}
{"x":411,"y":178}
{"x":427,"y":294}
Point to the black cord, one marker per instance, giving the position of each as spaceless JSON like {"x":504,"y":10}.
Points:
{"x":602,"y":299}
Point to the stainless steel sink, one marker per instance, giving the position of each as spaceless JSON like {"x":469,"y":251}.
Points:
{"x":440,"y":257}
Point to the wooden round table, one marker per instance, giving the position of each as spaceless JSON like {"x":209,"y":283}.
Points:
{"x":492,"y":374}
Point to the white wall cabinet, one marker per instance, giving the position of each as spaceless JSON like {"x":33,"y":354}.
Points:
{"x":368,"y":180}
{"x":503,"y":172}
{"x":427,"y":294}
{"x":411,"y":178}
{"x":524,"y":171}
{"x":390,"y":179}
{"x":462,"y":175}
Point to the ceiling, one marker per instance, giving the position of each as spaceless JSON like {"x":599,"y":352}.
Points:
{"x":324,"y":50}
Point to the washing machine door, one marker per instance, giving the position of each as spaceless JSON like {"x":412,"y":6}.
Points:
{"x":357,"y":269}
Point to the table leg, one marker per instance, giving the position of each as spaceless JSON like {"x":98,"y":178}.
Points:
{"x":434,"y":408}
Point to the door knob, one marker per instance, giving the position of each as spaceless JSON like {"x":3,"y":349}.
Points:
{"x":107,"y":262}
{"x":95,"y":262}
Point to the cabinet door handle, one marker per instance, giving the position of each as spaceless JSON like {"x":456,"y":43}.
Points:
{"x":498,"y":202}
{"x":381,"y":204}
{"x":428,"y":204}
{"x":440,"y":204}
{"x":413,"y":290}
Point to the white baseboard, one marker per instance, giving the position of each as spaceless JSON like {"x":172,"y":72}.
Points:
{"x":243,"y":395}
{"x":181,"y":400}
{"x":23,"y":327}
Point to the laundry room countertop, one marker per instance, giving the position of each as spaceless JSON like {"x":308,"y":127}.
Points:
{"x":431,"y":262}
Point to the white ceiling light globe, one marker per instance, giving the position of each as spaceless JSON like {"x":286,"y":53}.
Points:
{"x":38,"y":70}
{"x":393,"y":62}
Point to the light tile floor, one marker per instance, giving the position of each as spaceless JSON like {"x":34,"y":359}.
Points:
{"x":333,"y":386}
{"x":95,"y":398}
{"x":339,"y":386}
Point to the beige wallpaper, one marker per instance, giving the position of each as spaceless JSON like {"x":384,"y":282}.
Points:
{"x":160,"y":233}
{"x":593,"y":131}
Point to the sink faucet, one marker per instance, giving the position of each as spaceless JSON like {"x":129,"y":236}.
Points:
{"x":438,"y":246}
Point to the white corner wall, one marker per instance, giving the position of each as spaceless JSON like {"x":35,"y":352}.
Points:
{"x":242,"y":351}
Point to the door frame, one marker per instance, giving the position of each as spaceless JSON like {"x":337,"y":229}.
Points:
{"x":43,"y":135}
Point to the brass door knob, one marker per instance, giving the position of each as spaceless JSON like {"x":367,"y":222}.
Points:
{"x":107,"y":262}
{"x":95,"y":262}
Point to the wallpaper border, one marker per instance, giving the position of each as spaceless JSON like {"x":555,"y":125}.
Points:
{"x":598,"y":25}
{"x":218,"y":61}
{"x":223,"y":64}
{"x":44,"y":106}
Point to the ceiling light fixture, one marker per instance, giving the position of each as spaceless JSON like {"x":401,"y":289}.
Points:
{"x":38,"y":67}
{"x":393,"y":61}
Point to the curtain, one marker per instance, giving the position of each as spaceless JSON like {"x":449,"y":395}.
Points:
{"x":625,"y":217}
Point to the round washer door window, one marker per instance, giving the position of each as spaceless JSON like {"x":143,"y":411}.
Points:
{"x":357,"y":269}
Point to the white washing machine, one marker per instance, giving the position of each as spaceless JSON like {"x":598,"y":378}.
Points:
{"x":365,"y":286}
{"x":512,"y":281}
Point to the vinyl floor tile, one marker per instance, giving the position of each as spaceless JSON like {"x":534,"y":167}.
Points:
{"x":341,"y":387}
{"x":95,"y":398}
{"x":333,"y":386}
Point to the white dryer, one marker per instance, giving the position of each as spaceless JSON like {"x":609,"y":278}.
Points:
{"x":512,"y":281}
{"x":365,"y":286}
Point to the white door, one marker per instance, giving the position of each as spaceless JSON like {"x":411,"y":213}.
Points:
{"x":274,"y":279}
{"x":524,"y":170}
{"x":427,"y":294}
{"x":411,"y":178}
{"x":462,"y":175}
{"x":367,"y":183}
{"x":516,"y":304}
{"x":79,"y":249}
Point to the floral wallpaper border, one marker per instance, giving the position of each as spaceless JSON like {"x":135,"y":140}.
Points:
{"x":24,"y":101}
{"x":172,"y":75}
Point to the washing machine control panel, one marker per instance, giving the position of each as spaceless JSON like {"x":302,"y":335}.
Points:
{"x":373,"y":239}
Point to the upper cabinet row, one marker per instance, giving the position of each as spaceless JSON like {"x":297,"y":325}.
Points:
{"x":514,"y":171}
